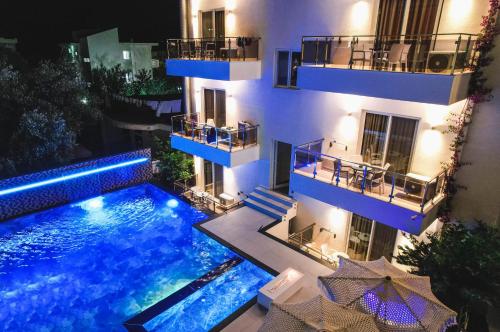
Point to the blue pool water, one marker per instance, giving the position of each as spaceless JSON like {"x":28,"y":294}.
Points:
{"x":94,"y":264}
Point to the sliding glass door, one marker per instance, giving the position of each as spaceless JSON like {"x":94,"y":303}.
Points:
{"x":213,"y":177}
{"x":213,"y":24}
{"x":400,"y":143}
{"x":383,"y":241}
{"x":369,"y":240}
{"x":215,"y":107}
{"x":359,"y":237}
{"x":388,"y":140}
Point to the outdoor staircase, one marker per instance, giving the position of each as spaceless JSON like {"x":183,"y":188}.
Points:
{"x":272,"y":203}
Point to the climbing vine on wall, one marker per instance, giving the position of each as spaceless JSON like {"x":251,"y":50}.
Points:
{"x":478,"y":93}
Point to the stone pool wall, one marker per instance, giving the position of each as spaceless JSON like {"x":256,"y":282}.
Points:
{"x":106,"y":174}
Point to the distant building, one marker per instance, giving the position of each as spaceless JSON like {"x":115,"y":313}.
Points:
{"x":9,"y":43}
{"x":93,"y":49}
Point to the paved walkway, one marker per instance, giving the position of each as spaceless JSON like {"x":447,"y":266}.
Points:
{"x":240,"y":229}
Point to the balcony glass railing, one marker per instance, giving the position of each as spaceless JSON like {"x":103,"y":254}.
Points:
{"x":226,"y":138}
{"x":413,"y":191}
{"x":223,"y":48}
{"x":436,"y":53}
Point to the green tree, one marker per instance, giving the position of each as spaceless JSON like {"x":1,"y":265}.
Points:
{"x":42,"y":140}
{"x":42,"y":111}
{"x":109,"y":81}
{"x":464,"y":266}
{"x":174,"y":165}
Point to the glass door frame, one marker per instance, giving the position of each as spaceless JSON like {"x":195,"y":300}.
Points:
{"x":213,"y":184}
{"x":203,"y":115}
{"x":388,"y":134}
{"x":213,"y":11}
{"x":372,"y":235}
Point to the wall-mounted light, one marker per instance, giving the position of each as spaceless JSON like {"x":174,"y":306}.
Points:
{"x":439,"y":127}
{"x":334,"y":141}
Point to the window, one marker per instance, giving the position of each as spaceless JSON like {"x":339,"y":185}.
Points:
{"x":388,"y":139}
{"x":215,"y":107}
{"x":213,"y":24}
{"x":370,"y":240}
{"x":126,"y":55}
{"x":286,"y":68}
{"x":128,"y":77}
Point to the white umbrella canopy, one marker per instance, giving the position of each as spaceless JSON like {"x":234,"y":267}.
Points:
{"x":399,"y":301}
{"x":318,"y":314}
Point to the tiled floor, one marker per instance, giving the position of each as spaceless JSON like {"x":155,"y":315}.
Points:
{"x":240,"y":229}
{"x":400,"y":198}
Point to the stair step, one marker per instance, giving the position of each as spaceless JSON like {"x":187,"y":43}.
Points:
{"x":271,"y":202}
{"x":275,"y":196}
{"x":264,"y":208}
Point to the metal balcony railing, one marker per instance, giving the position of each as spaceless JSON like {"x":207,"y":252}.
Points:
{"x":434,"y":53}
{"x":223,"y":48}
{"x":413,"y":191}
{"x":225,"y":138}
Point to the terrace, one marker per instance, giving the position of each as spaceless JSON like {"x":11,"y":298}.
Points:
{"x":226,"y":59}
{"x":228,"y":146}
{"x":405,"y":201}
{"x":425,"y":68}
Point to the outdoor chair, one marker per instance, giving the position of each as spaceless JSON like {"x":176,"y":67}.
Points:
{"x":397,"y":55}
{"x":363,"y":53}
{"x":374,"y":178}
{"x":209,"y":50}
{"x":341,"y":56}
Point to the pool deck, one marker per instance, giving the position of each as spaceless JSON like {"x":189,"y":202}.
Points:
{"x":240,"y":229}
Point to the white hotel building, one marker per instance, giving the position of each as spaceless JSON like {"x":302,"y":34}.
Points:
{"x":340,"y":104}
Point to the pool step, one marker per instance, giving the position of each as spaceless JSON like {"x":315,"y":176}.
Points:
{"x":276,"y":196}
{"x":265,"y":209}
{"x":271,"y":203}
{"x":277,"y":205}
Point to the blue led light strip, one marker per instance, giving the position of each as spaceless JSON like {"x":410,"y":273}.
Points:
{"x":71,"y":176}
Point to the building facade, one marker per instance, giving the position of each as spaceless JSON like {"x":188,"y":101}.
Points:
{"x":104,"y":48}
{"x":342,"y":105}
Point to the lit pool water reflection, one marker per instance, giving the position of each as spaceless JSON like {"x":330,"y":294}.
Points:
{"x":94,"y":264}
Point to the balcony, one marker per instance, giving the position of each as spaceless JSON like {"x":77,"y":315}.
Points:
{"x":226,"y":146}
{"x":225,"y":59}
{"x":427,"y":68}
{"x":405,"y":201}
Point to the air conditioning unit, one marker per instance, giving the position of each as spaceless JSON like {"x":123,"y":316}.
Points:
{"x":440,"y":61}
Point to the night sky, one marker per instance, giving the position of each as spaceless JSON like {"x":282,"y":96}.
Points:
{"x":41,"y":25}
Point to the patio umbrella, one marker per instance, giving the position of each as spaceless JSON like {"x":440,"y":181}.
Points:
{"x":398,"y":301}
{"x":318,"y":314}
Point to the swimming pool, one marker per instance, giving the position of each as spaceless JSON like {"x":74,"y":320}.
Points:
{"x":92,"y":265}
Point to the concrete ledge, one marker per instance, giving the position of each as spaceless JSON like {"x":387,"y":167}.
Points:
{"x":218,"y":156}
{"x":215,"y":70}
{"x":379,"y":210}
{"x":416,"y":87}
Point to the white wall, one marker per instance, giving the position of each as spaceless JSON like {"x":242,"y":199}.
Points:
{"x":462,"y":16}
{"x":481,"y":154}
{"x":299,"y":116}
{"x":324,"y":215}
{"x":104,"y":49}
{"x":140,"y":57}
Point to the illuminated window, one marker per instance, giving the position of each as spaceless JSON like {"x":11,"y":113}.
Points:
{"x":126,"y":55}
{"x":129,"y":77}
{"x":287,"y":63}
